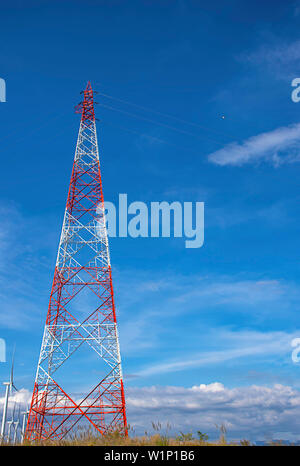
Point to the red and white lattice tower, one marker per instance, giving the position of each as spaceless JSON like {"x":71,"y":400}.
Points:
{"x":81,"y":310}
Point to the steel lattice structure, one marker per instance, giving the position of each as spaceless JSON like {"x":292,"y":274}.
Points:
{"x":82,"y":268}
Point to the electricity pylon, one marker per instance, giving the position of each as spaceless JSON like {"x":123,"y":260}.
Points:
{"x":81,"y":310}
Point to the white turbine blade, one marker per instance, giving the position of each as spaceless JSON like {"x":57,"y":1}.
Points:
{"x":12,"y":385}
{"x":12,"y":367}
{"x":13,"y":414}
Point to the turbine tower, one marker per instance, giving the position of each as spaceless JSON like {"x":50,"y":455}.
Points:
{"x":81,"y":318}
{"x":8,"y":391}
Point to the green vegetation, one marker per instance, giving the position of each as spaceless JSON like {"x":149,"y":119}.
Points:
{"x":159,"y":438}
{"x":85,"y":437}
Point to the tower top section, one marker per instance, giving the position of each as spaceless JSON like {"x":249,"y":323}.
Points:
{"x":86,"y":107}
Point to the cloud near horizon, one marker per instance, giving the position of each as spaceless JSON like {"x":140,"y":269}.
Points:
{"x":253,"y":412}
{"x":276,"y":147}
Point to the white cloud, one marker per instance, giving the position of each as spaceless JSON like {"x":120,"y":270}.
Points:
{"x":21,"y":399}
{"x":212,"y":387}
{"x":253,"y":412}
{"x":276,"y":147}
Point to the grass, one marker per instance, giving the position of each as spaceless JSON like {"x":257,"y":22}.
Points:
{"x":116,"y":440}
{"x":85,"y":437}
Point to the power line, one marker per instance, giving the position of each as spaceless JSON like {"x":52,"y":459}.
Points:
{"x":173,"y":128}
{"x":130,"y":130}
{"x":166,"y":115}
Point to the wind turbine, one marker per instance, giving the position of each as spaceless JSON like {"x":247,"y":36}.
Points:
{"x":16,"y":426}
{"x":25,"y":416}
{"x":11,"y":424}
{"x":9,"y":387}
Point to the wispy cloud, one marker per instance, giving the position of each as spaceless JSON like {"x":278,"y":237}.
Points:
{"x":24,"y":263}
{"x":240,"y":292}
{"x":162,"y":306}
{"x":233,"y":346}
{"x":276,"y":55}
{"x":276,"y":147}
{"x":297,"y":8}
{"x":276,"y":215}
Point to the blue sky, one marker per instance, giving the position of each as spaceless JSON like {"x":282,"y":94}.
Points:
{"x":225,"y":313}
